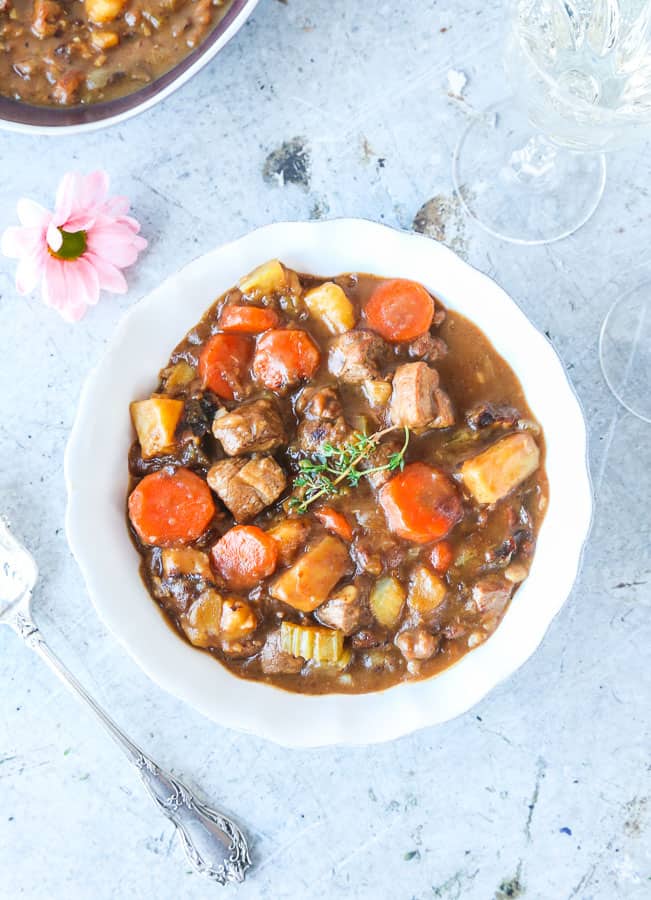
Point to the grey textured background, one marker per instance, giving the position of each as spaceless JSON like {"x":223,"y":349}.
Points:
{"x":543,"y":790}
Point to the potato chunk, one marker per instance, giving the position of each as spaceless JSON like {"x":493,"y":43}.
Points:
{"x":378,"y":393}
{"x":101,"y":11}
{"x":290,"y":535}
{"x":307,"y":584}
{"x":202,"y":623}
{"x":213,"y":618}
{"x":386,"y":600}
{"x":426,"y":591}
{"x":155,"y":421}
{"x":185,"y":561}
{"x":269,"y":278}
{"x":497,"y":471}
{"x":237,"y":619}
{"x":331,"y":306}
{"x":179,"y":376}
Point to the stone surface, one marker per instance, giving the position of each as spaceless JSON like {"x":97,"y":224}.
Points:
{"x":543,"y":791}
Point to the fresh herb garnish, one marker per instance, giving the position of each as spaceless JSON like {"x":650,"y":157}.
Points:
{"x":322,"y":475}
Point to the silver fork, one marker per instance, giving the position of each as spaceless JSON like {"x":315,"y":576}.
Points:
{"x":213,"y":843}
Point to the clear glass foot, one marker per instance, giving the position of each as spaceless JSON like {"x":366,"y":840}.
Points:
{"x":625,"y":350}
{"x":518,"y":185}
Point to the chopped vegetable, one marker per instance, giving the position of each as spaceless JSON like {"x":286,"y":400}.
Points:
{"x":155,"y":421}
{"x":495,"y":472}
{"x":202,"y":622}
{"x":441,"y":556}
{"x":400,"y":310}
{"x":101,"y":11}
{"x":290,"y":535}
{"x":269,"y":278}
{"x":237,"y":619}
{"x":180,"y":375}
{"x":307,"y":584}
{"x":248,"y":319}
{"x":244,"y":556}
{"x":378,"y":393}
{"x":224,"y":363}
{"x":421,"y":504}
{"x":185,"y":561}
{"x":426,"y":591}
{"x":323,"y":645}
{"x":331,"y":306}
{"x":171,"y":508}
{"x":335,"y":522}
{"x":284,"y":357}
{"x":386,"y":600}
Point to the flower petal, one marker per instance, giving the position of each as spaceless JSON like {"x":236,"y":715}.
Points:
{"x":54,"y":289}
{"x":94,"y":190}
{"x":110,"y":278}
{"x":67,"y":197}
{"x":81,"y":222}
{"x":116,"y":244}
{"x":54,"y":237}
{"x":87,"y":279}
{"x":116,"y":206}
{"x":29,"y":271}
{"x":19,"y":241}
{"x":32,"y":214}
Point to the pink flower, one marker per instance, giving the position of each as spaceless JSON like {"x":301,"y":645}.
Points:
{"x":77,"y":250}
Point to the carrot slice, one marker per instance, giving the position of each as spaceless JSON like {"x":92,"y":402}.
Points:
{"x":335,"y":522}
{"x":224,"y":362}
{"x":171,"y":507}
{"x":244,"y":555}
{"x":248,"y":319}
{"x":284,"y":357}
{"x":399,"y":310}
{"x":421,"y":504}
{"x":441,"y":556}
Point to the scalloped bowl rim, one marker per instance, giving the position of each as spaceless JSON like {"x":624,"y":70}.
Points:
{"x":96,"y":479}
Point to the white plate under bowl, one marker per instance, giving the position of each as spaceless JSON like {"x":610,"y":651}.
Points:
{"x":96,"y":476}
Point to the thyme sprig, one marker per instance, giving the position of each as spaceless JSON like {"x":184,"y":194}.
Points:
{"x":325,"y":473}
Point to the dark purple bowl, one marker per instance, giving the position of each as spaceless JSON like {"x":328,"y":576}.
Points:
{"x":17,"y":116}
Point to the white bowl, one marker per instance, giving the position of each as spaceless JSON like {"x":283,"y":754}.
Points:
{"x":96,"y":475}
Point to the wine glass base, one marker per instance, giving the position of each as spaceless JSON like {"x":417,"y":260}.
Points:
{"x":518,"y":185}
{"x":625,"y":350}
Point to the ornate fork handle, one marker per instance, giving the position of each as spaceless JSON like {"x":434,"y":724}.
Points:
{"x":213,"y":843}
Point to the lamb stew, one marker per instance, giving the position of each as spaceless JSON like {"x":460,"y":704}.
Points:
{"x":337,"y":483}
{"x":69,"y":52}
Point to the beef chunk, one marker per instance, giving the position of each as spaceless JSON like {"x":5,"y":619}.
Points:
{"x":342,"y":610}
{"x":246,"y":487}
{"x":485,"y":414}
{"x":255,"y":426}
{"x":274,"y":661}
{"x":416,"y":643}
{"x":242,"y":648}
{"x":355,"y":356}
{"x":322,"y":419}
{"x":417,"y":400}
{"x":428,"y":347}
{"x":491,"y":594}
{"x":380,"y":457}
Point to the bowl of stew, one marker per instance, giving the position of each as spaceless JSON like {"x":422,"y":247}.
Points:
{"x":76,"y":65}
{"x":337,"y":484}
